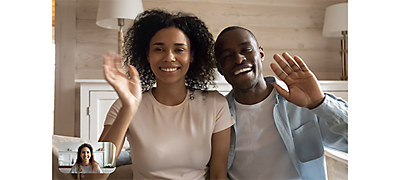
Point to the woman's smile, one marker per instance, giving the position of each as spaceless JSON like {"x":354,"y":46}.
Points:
{"x":169,"y":55}
{"x":173,"y":69}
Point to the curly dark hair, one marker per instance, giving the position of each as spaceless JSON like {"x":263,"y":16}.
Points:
{"x":137,"y":39}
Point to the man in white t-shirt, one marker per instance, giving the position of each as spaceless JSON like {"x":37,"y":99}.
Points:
{"x":281,"y":127}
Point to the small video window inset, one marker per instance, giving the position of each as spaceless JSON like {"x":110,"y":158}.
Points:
{"x":86,"y":157}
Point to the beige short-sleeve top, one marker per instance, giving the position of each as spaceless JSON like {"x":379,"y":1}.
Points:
{"x":174,"y":142}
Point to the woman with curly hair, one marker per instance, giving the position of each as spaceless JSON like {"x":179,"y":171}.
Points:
{"x":175,"y":127}
{"x":85,"y":162}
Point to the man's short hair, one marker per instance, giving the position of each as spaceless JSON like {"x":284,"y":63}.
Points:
{"x":233,"y":28}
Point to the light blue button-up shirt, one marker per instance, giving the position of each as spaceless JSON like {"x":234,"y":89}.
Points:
{"x":304,"y":132}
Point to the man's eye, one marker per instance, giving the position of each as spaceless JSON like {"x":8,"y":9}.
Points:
{"x":247,"y":50}
{"x":224,"y":58}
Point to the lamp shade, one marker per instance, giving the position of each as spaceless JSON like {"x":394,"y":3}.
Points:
{"x":335,"y":20}
{"x":110,"y":10}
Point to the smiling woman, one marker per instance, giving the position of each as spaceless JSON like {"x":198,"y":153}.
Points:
{"x":85,"y":162}
{"x":142,"y":42}
{"x":175,"y":127}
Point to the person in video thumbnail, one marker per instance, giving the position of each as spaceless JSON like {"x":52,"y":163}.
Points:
{"x":85,"y":162}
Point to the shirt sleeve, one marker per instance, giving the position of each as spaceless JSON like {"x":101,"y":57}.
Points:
{"x":113,"y":112}
{"x":223,"y":116}
{"x":333,"y":122}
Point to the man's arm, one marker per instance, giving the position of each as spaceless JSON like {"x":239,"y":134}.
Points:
{"x":304,"y":91}
{"x":333,"y":121}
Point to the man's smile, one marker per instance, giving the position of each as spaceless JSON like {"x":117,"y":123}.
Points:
{"x":242,"y":70}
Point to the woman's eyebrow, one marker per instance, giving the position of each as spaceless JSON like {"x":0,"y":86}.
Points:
{"x":157,"y":43}
{"x":176,"y":44}
{"x":180,"y":44}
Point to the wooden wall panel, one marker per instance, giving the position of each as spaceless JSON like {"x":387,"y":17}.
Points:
{"x":89,"y":74}
{"x":268,"y":37}
{"x":249,"y":14}
{"x":294,"y":26}
{"x":294,"y":38}
{"x":282,"y":14}
{"x":88,"y":32}
{"x":91,"y":55}
{"x":86,"y":9}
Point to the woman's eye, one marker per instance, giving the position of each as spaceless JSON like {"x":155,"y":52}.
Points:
{"x":180,"y":50}
{"x":157,"y":49}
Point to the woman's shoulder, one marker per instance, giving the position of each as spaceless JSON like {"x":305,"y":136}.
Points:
{"x":74,"y":168}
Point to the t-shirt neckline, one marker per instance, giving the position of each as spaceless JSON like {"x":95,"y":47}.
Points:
{"x":259,"y":104}
{"x":157,"y":103}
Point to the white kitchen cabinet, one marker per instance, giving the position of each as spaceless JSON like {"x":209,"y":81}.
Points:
{"x":96,"y":98}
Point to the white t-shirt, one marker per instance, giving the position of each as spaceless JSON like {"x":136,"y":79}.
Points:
{"x":85,"y":169}
{"x":260,"y":151}
{"x":174,"y":142}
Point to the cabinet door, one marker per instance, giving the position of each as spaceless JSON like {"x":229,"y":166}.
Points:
{"x":100,"y":103}
{"x":67,"y":158}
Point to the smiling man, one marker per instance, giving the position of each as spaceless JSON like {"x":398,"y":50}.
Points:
{"x":281,"y":126}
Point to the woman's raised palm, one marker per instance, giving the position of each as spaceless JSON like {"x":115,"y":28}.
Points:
{"x":128,"y":90}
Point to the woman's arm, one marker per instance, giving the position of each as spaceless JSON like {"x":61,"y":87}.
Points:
{"x":103,"y":134}
{"x":115,"y":133}
{"x":130,"y":93}
{"x":219,"y":154}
